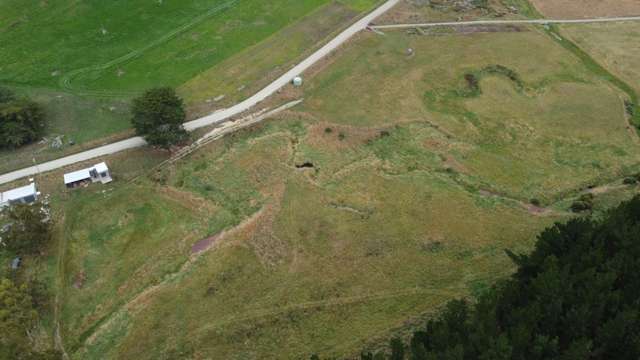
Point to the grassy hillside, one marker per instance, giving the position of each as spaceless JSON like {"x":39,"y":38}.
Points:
{"x":525,"y":137}
{"x":393,"y":188}
{"x":303,"y":271}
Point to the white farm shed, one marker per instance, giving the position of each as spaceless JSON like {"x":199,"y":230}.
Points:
{"x":97,"y":173}
{"x":22,"y":195}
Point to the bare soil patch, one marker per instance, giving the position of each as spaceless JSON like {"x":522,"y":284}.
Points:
{"x":329,"y":136}
{"x":567,"y":9}
{"x":203,"y":244}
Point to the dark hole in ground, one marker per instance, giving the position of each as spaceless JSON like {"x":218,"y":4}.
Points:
{"x":472,"y":81}
{"x":305,"y":165}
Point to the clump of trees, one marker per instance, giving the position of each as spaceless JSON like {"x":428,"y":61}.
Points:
{"x":158,"y":116}
{"x":22,"y":121}
{"x":21,"y":301}
{"x":576,"y":296}
{"x":18,"y":320}
{"x":29,"y":228}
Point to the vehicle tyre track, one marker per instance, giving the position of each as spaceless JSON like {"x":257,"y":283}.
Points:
{"x":66,"y":80}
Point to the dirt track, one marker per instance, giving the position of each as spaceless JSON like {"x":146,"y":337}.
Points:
{"x":509,"y":22}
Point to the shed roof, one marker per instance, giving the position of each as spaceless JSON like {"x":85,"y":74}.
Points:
{"x":19,"y":193}
{"x":102,"y":167}
{"x":77,"y":176}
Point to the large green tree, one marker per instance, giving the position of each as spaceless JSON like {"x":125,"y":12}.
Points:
{"x":576,"y":296}
{"x":29,"y":228}
{"x":21,"y":120}
{"x":158,"y":116}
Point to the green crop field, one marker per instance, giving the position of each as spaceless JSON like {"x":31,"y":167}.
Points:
{"x":84,"y":61}
{"x":114,"y":48}
{"x":393,"y":188}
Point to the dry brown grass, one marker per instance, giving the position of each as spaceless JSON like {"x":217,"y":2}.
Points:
{"x":613,"y":45}
{"x":586,"y":8}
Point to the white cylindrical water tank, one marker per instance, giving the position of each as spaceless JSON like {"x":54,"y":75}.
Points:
{"x":297,"y":81}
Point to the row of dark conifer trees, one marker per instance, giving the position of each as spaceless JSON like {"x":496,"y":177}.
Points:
{"x":575,"y":297}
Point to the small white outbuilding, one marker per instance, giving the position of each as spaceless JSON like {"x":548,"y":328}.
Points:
{"x":97,"y":173}
{"x":22,"y":195}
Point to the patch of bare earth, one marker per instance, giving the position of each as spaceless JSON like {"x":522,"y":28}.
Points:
{"x":570,"y":9}
{"x":334,"y":137}
{"x":79,"y":279}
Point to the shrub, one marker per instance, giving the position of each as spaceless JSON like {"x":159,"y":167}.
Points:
{"x":584,"y":203}
{"x":6,"y":95}
{"x":29,"y":230}
{"x":482,"y":4}
{"x":505,"y":71}
{"x":21,"y":120}
{"x":472,"y":82}
{"x":630,"y":107}
{"x":19,"y":321}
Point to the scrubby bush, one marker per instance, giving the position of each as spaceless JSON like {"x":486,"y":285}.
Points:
{"x":21,"y":120}
{"x":30,"y":228}
{"x":6,"y":95}
{"x":473,"y":83}
{"x":630,"y":107}
{"x":584,"y":203}
{"x":18,"y":321}
{"x":505,"y":71}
